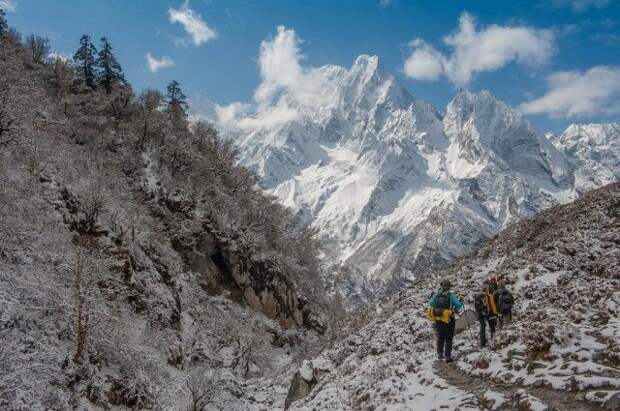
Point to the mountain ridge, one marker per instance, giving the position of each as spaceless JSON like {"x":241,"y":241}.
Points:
{"x":378,"y":172}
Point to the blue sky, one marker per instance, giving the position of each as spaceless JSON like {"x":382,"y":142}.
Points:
{"x":556,"y":60}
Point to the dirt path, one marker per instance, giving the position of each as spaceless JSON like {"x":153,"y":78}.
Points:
{"x":556,"y":400}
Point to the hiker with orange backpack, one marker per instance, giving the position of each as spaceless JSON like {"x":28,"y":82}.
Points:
{"x":486,"y":309}
{"x":442,"y":307}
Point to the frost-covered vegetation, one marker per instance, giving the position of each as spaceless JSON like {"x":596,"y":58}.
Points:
{"x":139,"y":266}
{"x":142,"y":268}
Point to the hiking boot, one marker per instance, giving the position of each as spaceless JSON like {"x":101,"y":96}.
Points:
{"x":440,"y":357}
{"x":449,"y":359}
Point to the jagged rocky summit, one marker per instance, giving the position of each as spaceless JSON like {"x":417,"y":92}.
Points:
{"x":397,"y":188}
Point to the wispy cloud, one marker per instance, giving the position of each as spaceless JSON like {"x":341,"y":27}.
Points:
{"x":581,"y":5}
{"x":386,"y":3}
{"x":192,"y":23}
{"x":154,"y":64}
{"x":579,"y":94}
{"x":475,"y":51}
{"x":609,"y":39}
{"x":8,"y":5}
{"x":269,"y":117}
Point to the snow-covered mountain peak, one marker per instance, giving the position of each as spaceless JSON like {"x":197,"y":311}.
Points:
{"x":394,"y":187}
{"x":365,"y":86}
{"x":367,"y":64}
{"x":367,"y":72}
{"x":593,"y":133}
{"x":593,"y":151}
{"x":487,"y":131}
{"x":483,"y":113}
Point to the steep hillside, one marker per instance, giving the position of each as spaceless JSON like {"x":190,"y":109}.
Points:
{"x":139,"y":267}
{"x":397,"y":189}
{"x":561,"y":352}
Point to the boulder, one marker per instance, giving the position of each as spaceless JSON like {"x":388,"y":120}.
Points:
{"x":306,"y":377}
{"x":613,"y":402}
{"x":468,"y":319}
{"x":299,"y":389}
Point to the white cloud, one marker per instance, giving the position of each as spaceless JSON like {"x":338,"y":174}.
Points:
{"x":581,"y":5}
{"x":425,"y":63}
{"x":476,"y":51}
{"x":577,"y":94}
{"x":287,"y":87}
{"x":8,"y":5}
{"x":154,"y":64}
{"x":193,"y":24}
{"x":281,"y":71}
{"x":269,"y":117}
{"x":227,"y":115}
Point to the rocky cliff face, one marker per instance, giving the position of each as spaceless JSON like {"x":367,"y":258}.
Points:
{"x":562,"y":266}
{"x":397,"y":189}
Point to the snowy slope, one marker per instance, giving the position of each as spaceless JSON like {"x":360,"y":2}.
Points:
{"x":395,"y":187}
{"x":594,"y":151}
{"x":560,"y":353}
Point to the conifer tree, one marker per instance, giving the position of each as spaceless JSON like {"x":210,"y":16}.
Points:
{"x":4,"y":25}
{"x":176,"y":104}
{"x":85,"y":61}
{"x":110,"y":71}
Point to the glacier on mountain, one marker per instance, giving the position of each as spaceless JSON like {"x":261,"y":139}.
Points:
{"x":397,"y":188}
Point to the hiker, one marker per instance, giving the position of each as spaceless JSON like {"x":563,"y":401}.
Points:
{"x":442,"y":306}
{"x":505,"y":301}
{"x":487,"y":312}
{"x":493,"y":282}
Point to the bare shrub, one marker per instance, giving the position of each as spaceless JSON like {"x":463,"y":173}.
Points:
{"x":38,"y":47}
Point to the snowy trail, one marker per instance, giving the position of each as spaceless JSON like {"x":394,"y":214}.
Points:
{"x":486,"y":390}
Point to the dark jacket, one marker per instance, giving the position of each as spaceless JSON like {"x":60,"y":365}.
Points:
{"x":504,"y":300}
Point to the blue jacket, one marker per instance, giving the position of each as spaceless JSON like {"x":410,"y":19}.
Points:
{"x":454,"y":301}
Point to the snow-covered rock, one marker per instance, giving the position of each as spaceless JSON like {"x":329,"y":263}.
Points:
{"x":560,"y":352}
{"x":397,"y":189}
{"x":594,"y":152}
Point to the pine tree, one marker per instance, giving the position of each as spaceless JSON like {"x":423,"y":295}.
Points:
{"x":110,"y":71}
{"x":176,"y":104}
{"x":85,"y":60}
{"x":4,"y":25}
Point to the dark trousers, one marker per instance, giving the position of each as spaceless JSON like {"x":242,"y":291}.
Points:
{"x":484,"y":320}
{"x":445,"y":335}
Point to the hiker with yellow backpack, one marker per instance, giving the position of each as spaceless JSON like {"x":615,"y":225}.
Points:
{"x":442,"y":307}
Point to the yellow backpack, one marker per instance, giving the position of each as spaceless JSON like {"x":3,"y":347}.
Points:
{"x":440,"y":313}
{"x":431,"y":315}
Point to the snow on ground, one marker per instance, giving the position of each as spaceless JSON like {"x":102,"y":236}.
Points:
{"x":561,"y":351}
